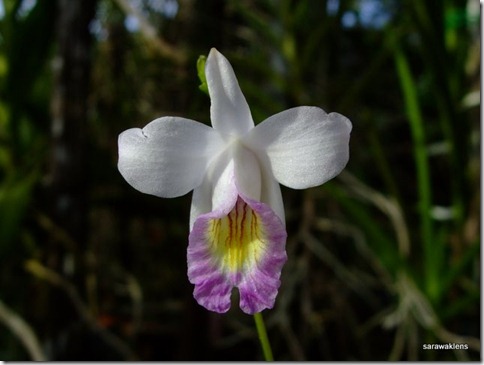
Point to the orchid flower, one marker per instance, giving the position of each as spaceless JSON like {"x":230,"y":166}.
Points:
{"x":237,"y":225}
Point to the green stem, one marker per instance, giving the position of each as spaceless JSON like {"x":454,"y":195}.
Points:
{"x":264,"y":340}
{"x":432,"y":251}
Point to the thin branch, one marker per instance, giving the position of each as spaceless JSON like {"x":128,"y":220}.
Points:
{"x":44,"y":273}
{"x":149,"y":32}
{"x":387,"y":205}
{"x":23,"y":331}
{"x":414,"y":304}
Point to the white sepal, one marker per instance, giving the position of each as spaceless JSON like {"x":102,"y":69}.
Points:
{"x":168,"y":157}
{"x":305,"y":146}
{"x":229,"y":111}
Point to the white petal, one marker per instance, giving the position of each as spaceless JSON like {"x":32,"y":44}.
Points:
{"x":306,"y":147}
{"x":271,"y":191}
{"x":201,"y":202}
{"x":168,"y":157}
{"x":255,"y":179}
{"x":217,"y":190}
{"x":224,"y":190}
{"x":229,"y":111}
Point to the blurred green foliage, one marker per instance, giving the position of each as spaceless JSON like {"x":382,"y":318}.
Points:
{"x":382,"y":260}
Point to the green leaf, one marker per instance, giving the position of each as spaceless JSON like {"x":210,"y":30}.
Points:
{"x":457,"y":270}
{"x":416,"y":124}
{"x":202,"y":60}
{"x":14,"y":199}
{"x":380,"y":241}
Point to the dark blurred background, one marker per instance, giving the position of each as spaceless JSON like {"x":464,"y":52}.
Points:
{"x":383,"y":259}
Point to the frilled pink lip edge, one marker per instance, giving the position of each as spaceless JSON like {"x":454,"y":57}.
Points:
{"x":258,"y":284}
